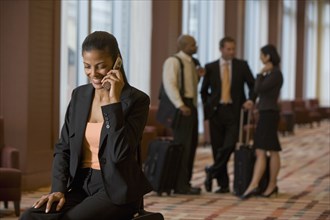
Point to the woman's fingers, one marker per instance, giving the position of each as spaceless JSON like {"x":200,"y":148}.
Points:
{"x":108,"y":78}
{"x":117,"y":74}
{"x":113,"y":77}
{"x":54,"y":197}
{"x":60,"y":204}
{"x":50,"y":199}
{"x":49,"y":203}
{"x":41,"y":201}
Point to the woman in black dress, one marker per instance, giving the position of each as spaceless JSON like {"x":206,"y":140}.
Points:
{"x":267,"y":86}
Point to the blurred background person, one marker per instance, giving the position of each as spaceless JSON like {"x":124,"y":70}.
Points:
{"x":185,"y":122}
{"x":267,"y":86}
{"x":223,"y":96}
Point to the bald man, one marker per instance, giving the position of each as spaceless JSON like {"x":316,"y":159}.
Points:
{"x":185,"y":130}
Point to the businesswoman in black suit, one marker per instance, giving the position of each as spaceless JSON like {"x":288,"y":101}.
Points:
{"x":95,"y":172}
{"x":267,"y":86}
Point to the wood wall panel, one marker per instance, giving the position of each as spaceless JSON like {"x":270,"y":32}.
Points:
{"x":275,"y":23}
{"x":28,"y":59}
{"x":166,"y":19}
{"x":301,"y":5}
{"x":234,"y":23}
{"x":14,"y":64}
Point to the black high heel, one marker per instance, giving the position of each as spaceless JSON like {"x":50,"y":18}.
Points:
{"x":275,"y":191}
{"x":253,"y":192}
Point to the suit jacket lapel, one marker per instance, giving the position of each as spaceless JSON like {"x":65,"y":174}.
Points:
{"x":233,"y":75}
{"x":83,"y":106}
{"x":217,"y":71}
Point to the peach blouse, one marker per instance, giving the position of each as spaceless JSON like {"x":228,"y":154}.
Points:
{"x":91,"y":146}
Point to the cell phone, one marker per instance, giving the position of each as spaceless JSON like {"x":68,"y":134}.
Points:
{"x":116,"y":66}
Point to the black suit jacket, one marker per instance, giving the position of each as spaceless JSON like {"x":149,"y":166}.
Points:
{"x":211,"y":86}
{"x":268,"y":89}
{"x":121,"y":133}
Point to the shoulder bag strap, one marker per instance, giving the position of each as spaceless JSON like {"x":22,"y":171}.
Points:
{"x":181,"y":76}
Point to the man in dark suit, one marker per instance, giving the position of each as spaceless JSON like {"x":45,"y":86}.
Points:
{"x":223,"y":96}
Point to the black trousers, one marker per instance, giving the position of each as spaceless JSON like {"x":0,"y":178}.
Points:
{"x":186,"y":133}
{"x":224,"y":131}
{"x":86,"y":201}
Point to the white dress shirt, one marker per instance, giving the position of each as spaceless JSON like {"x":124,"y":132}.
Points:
{"x":172,"y":77}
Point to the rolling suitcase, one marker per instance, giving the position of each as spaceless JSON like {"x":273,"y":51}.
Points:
{"x":244,"y":158}
{"x":142,"y":214}
{"x":161,"y":166}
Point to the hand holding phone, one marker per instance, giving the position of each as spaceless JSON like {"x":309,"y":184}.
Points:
{"x":116,"y":66}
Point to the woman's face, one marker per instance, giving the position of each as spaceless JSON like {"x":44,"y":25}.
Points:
{"x":97,"y":64}
{"x":264,"y":57}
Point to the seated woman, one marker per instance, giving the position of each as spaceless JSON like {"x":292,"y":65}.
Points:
{"x":95,"y":172}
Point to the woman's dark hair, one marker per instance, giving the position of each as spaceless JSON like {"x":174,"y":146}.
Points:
{"x":103,"y":41}
{"x":271,"y":50}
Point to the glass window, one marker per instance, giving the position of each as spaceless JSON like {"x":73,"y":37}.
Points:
{"x":288,"y":58}
{"x":310,"y":69}
{"x":121,"y":17}
{"x":129,"y":21}
{"x":204,"y":20}
{"x":256,"y":32}
{"x":69,"y":53}
{"x":325,"y":56}
{"x":138,"y":45}
{"x":101,"y":16}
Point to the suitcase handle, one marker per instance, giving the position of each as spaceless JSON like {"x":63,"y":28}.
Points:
{"x":247,"y":138}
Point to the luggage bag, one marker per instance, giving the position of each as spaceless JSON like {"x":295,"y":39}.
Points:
{"x":244,"y":159}
{"x":142,"y":214}
{"x":161,"y":166}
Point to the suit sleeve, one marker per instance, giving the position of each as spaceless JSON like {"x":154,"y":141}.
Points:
{"x":205,"y":85}
{"x":60,"y":171}
{"x":249,"y":79}
{"x":268,"y":82}
{"x":125,"y":131}
{"x":124,"y":180}
{"x":205,"y":95}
